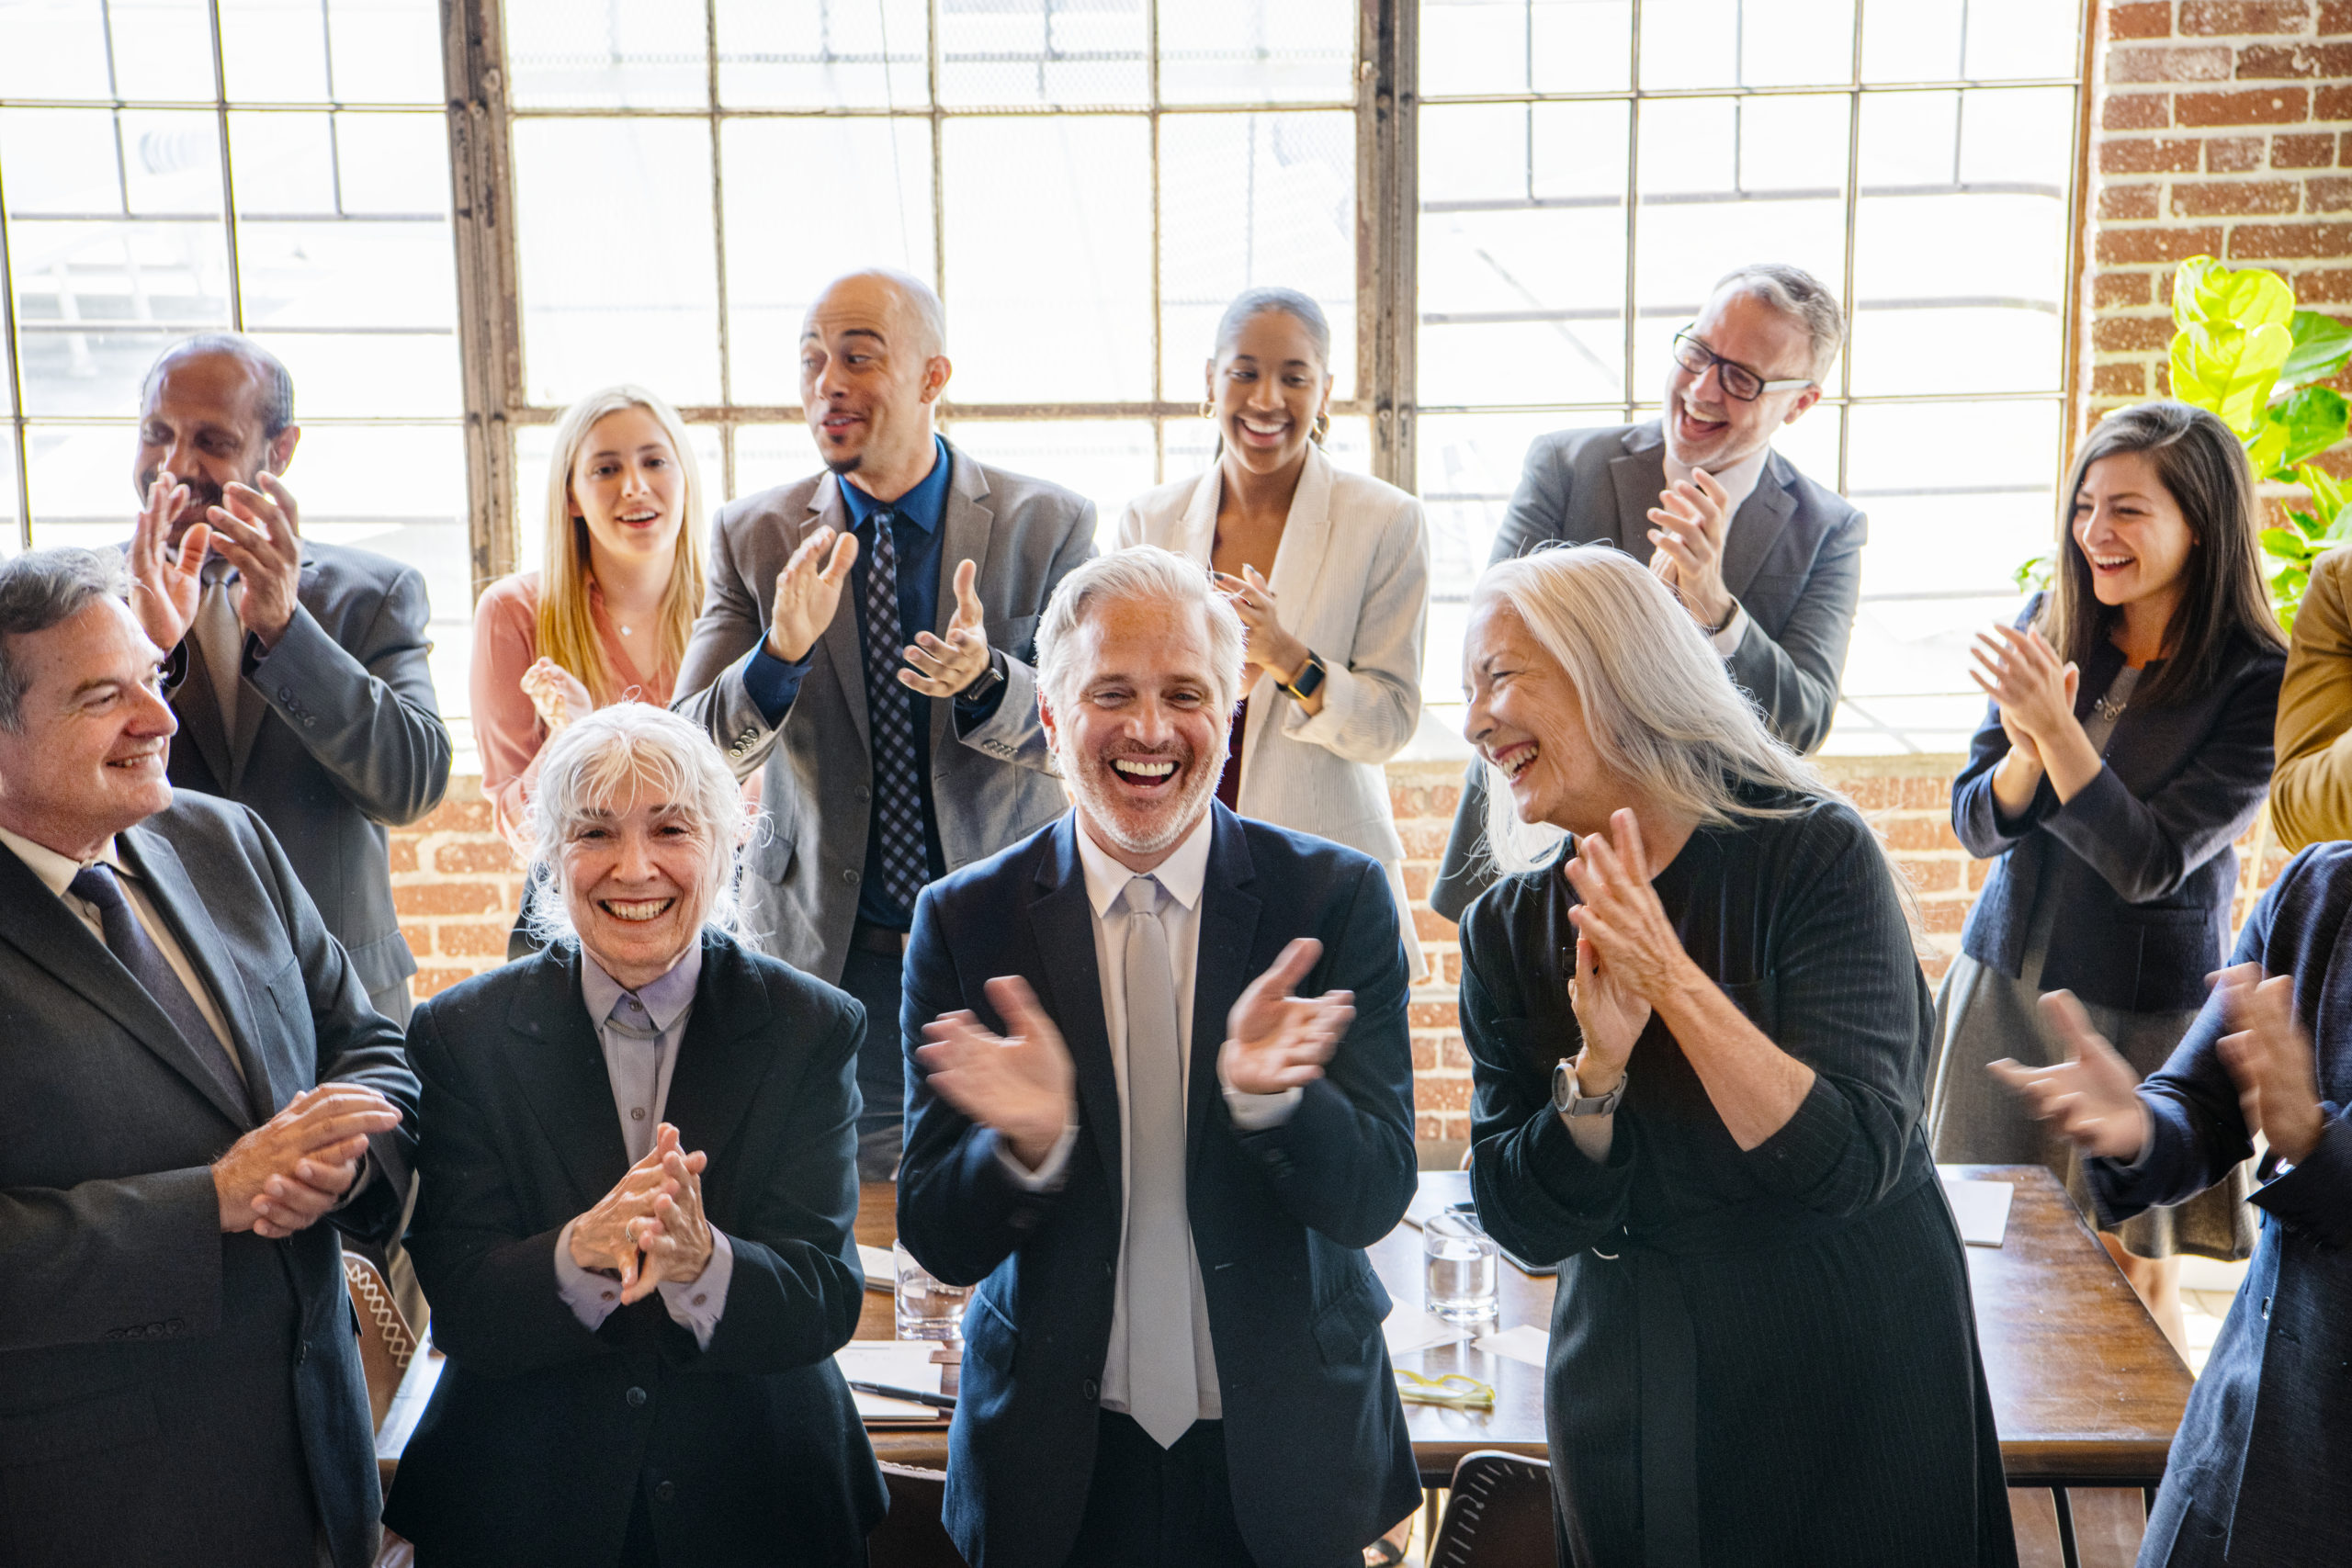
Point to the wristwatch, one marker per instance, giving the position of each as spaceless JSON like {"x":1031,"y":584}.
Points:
{"x":986,"y":682}
{"x":1569,"y":1100}
{"x":1309,"y":679}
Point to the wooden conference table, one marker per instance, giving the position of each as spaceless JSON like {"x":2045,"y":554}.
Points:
{"x":2085,"y":1389}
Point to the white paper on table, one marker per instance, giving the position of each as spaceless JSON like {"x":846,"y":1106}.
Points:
{"x":1525,"y":1343}
{"x":899,"y":1363}
{"x":881,"y":1269}
{"x":1440,"y":1191}
{"x":1982,"y":1208}
{"x":1408,"y":1331}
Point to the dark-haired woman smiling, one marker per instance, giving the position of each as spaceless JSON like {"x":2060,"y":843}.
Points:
{"x":2128,"y":744}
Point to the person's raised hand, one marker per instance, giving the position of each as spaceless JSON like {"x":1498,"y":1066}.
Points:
{"x":1611,"y":1015}
{"x":605,"y":1237}
{"x":258,"y":531}
{"x":1021,"y":1085}
{"x":2271,"y":1059}
{"x":1275,"y":1041}
{"x":1686,"y":530}
{"x":674,"y":1238}
{"x":279,"y":1177}
{"x":558,"y":696}
{"x":2092,"y":1097}
{"x":1619,"y":914}
{"x":2023,"y":673}
{"x":808,"y":592}
{"x":164,"y":591}
{"x":938,"y":669}
{"x":1270,"y":646}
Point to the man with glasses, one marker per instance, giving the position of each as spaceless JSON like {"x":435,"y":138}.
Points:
{"x":1767,"y":562}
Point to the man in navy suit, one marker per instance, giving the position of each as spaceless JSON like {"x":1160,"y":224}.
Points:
{"x":1160,"y":1166}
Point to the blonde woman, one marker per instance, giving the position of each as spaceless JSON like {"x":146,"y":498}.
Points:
{"x":606,"y":619}
{"x":1330,"y":572}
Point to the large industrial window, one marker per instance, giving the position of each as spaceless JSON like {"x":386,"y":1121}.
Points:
{"x":1506,"y":206}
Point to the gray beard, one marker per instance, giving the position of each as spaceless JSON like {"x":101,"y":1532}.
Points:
{"x":1094,"y":804}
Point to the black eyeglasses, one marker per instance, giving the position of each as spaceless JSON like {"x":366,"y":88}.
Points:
{"x":1737,"y":379}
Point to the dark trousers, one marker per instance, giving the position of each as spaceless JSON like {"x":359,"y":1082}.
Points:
{"x":1154,"y":1507}
{"x":874,"y":979}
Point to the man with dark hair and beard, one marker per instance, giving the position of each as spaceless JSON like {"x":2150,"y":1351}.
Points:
{"x":296,"y":668}
{"x":853,"y":651}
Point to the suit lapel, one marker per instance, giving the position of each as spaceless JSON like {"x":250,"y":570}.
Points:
{"x":36,"y":922}
{"x":720,"y":1061}
{"x":1638,"y":477}
{"x":841,"y":641}
{"x":967,"y":528}
{"x":1756,"y":526}
{"x":198,"y":703}
{"x":559,"y":1068}
{"x":1196,"y":535}
{"x":1061,"y":922}
{"x":1222,"y":970}
{"x":175,"y":899}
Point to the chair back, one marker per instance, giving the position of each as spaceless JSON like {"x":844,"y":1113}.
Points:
{"x":912,"y":1537}
{"x":386,"y":1344}
{"x":1499,"y":1515}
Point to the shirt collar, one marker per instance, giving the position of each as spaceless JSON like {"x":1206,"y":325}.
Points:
{"x":56,"y":871}
{"x":1180,"y":875}
{"x":920,"y":506}
{"x":664,"y":999}
{"x":1739,"y":480}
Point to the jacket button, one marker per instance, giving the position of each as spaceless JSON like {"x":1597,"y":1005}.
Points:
{"x":863,"y":792}
{"x":636,"y":1398}
{"x":849,"y":876}
{"x":665,"y":1493}
{"x":1092,"y":1390}
{"x":301,"y":1352}
{"x":1110,"y":1271}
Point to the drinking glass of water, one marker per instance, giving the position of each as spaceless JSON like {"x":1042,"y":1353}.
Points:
{"x":926,"y":1309}
{"x":1463,"y":1270}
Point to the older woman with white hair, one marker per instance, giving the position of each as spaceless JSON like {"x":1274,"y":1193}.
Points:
{"x":1700,"y":1041}
{"x":637,"y":1206}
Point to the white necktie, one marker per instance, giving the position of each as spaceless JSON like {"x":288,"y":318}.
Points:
{"x":1164,"y":1391}
{"x":223,"y":641}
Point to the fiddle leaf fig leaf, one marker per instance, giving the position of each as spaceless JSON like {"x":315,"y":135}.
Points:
{"x":2322,"y":346}
{"x":2311,"y":421}
{"x":2229,"y":370}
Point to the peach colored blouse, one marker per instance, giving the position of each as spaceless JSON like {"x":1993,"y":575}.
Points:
{"x":507,"y":729}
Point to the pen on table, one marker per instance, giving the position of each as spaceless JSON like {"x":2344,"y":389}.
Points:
{"x":936,"y":1401}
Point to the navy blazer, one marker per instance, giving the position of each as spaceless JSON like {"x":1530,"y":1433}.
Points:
{"x":542,"y":1433}
{"x":2140,"y":862}
{"x":1314,"y":1433}
{"x":2257,"y":1472}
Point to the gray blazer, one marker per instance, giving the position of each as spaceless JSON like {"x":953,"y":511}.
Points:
{"x":169,"y":1395}
{"x":1792,"y":559}
{"x":338,"y":734}
{"x":817,"y":773}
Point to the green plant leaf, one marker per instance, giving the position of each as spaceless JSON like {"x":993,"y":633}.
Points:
{"x":2313,"y":420}
{"x":2265,"y":449}
{"x":2327,"y":491}
{"x":2035,"y":572}
{"x":2322,"y":346}
{"x":2206,"y":293}
{"x":2286,"y":544}
{"x":2229,"y":371}
{"x":2305,"y":524}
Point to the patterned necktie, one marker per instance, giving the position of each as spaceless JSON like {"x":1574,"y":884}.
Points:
{"x":889,"y":711}
{"x":127,"y":940}
{"x":1163,"y":1387}
{"x":222,"y":638}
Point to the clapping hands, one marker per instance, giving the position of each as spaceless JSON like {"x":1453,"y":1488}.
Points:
{"x":1021,"y":1085}
{"x":649,"y":1229}
{"x":1276,"y":1041}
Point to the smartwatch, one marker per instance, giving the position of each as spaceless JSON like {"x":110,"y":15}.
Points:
{"x":986,"y":682}
{"x":1309,"y":679}
{"x":1569,"y":1100}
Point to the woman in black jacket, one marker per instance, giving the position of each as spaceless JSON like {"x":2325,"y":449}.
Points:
{"x":2127,"y":745}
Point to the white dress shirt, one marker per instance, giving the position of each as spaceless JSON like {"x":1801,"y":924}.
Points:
{"x":1181,"y":877}
{"x":640,"y":1071}
{"x":1739,"y":483}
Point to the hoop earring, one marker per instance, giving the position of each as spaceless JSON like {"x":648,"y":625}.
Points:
{"x":1207,"y":411}
{"x":1320,"y":430}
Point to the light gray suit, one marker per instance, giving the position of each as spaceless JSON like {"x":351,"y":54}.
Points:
{"x":817,"y":775}
{"x":1793,"y":558}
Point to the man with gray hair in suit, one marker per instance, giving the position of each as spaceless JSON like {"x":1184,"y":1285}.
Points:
{"x":1767,"y":561}
{"x":866,"y":645}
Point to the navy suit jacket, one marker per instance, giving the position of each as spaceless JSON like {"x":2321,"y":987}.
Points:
{"x":1314,"y":1433}
{"x":2139,"y":861}
{"x":2257,"y":1472}
{"x":542,"y":1433}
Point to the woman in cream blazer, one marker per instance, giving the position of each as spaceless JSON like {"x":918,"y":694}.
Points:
{"x":1330,"y":571}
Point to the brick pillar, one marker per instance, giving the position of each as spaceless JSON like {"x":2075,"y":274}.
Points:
{"x":2219,"y":129}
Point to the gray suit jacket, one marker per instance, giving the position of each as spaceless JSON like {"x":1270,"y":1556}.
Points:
{"x":994,"y":788}
{"x":170,"y":1394}
{"x":337,"y":736}
{"x":1792,"y":559}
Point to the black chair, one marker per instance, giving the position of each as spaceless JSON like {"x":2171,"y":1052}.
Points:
{"x":1499,"y":1515}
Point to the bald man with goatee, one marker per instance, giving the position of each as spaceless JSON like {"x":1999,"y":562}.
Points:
{"x":865,"y":646}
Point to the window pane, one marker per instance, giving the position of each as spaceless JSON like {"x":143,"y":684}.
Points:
{"x":1247,"y":200}
{"x":321,"y":164}
{"x":347,"y":272}
{"x":11,"y":536}
{"x":646,"y":54}
{"x":282,"y":163}
{"x":603,"y":300}
{"x":824,"y":53}
{"x":1913,"y":40}
{"x":1789,"y":43}
{"x":770,"y":455}
{"x":273,"y":51}
{"x":866,"y":181}
{"x":57,"y":49}
{"x":1041,"y":52}
{"x":1485,"y":46}
{"x":1908,"y":140}
{"x":1257,"y":51}
{"x":1958,"y":293}
{"x":2022,"y":37}
{"x":1050,"y":209}
{"x":81,"y":482}
{"x":171,"y":161}
{"x":2019,"y":134}
{"x":1110,"y":462}
{"x":96,"y":301}
{"x":1958,"y":493}
{"x":63,"y":163}
{"x":370,"y":376}
{"x":385,"y":51}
